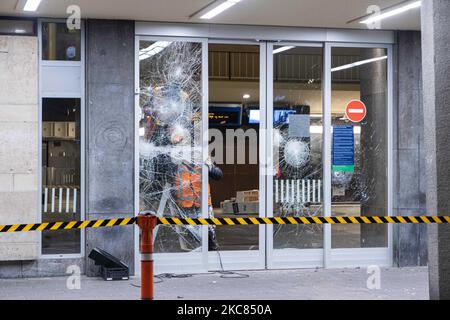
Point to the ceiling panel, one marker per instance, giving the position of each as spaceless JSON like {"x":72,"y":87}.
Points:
{"x":304,"y":13}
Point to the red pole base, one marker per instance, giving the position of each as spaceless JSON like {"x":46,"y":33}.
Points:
{"x":147,"y":290}
{"x":147,"y":222}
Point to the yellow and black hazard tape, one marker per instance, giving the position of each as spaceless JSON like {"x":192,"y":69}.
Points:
{"x":67,"y":225}
{"x":304,"y":220}
{"x":225,"y":222}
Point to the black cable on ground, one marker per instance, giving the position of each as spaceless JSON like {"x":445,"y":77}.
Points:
{"x":162,"y":276}
{"x":223,"y":274}
{"x":172,"y":275}
{"x":229,"y":274}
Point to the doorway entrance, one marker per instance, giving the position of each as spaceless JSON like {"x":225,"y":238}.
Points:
{"x":236,"y":112}
{"x":272,"y":117}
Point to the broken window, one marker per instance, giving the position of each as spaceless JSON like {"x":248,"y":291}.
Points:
{"x":297,"y":145}
{"x":170,"y":157}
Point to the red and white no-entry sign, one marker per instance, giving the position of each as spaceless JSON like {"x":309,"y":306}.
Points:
{"x":356,"y":111}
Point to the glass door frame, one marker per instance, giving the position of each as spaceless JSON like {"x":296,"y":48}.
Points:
{"x":80,"y":94}
{"x":287,"y":258}
{"x":357,"y":257}
{"x":328,"y":257}
{"x":249,"y":259}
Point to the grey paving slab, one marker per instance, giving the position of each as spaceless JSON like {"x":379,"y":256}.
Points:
{"x":333,"y":284}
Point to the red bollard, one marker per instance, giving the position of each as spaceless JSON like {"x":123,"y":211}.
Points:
{"x":147,"y":222}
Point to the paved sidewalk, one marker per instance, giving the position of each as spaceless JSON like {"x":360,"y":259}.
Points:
{"x":396,"y":283}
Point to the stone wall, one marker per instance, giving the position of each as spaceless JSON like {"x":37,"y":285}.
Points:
{"x":436,"y":101}
{"x":18,"y":144}
{"x":410,"y":241}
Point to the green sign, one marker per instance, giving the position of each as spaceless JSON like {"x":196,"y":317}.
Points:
{"x":349,"y":168}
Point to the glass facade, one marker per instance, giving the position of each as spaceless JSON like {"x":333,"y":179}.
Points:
{"x":357,"y":149}
{"x":170,"y":148}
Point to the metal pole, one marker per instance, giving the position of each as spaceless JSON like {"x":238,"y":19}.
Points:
{"x":147,"y":222}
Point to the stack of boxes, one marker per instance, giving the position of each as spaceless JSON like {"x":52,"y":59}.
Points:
{"x":61,"y":130}
{"x":245,"y":203}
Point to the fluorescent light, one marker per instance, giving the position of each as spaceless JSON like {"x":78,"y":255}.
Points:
{"x":155,"y":48}
{"x":391,"y":13}
{"x":282,"y":49}
{"x":20,"y":31}
{"x":359,"y":63}
{"x":219,"y":9}
{"x":246,"y":96}
{"x":31,"y":5}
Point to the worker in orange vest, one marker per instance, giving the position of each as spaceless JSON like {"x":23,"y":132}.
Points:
{"x":188,"y":186}
{"x":188,"y":180}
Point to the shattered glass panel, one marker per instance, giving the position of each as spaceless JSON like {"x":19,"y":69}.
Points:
{"x":170,"y":139}
{"x":297,"y":143}
{"x":359,"y":181}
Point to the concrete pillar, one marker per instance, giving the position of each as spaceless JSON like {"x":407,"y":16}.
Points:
{"x":409,"y":241}
{"x":373,"y":186}
{"x":436,"y":98}
{"x":110,"y":139}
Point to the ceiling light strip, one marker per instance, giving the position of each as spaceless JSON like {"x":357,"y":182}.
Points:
{"x":359,"y":63}
{"x":31,"y":5}
{"x":153,"y":49}
{"x":219,"y":9}
{"x":390,"y":13}
{"x":282,"y":49}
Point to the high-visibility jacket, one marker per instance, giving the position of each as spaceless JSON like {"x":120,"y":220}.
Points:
{"x":188,"y":185}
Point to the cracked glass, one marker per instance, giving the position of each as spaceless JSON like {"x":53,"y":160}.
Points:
{"x":170,"y":139}
{"x":359,"y":149}
{"x":297,"y":143}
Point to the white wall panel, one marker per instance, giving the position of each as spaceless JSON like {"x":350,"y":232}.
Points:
{"x":61,"y":81}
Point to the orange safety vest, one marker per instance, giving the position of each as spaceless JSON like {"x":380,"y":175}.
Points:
{"x":188,"y":183}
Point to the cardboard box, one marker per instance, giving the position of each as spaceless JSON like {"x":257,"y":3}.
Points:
{"x":60,"y":130}
{"x":247,"y":196}
{"x":238,"y":208}
{"x":47,"y":129}
{"x":71,"y":130}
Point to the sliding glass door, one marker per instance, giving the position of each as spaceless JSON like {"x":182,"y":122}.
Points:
{"x":294,"y":130}
{"x":329,"y":137}
{"x":359,"y":107}
{"x":295,"y":136}
{"x":170,"y":128}
{"x":237,"y":147}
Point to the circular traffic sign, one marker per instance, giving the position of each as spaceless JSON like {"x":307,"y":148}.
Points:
{"x":356,"y":111}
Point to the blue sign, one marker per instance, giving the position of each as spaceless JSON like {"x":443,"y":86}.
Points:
{"x":343,"y":149}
